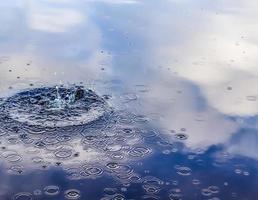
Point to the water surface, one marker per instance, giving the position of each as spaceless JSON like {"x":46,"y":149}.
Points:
{"x":128,"y":99}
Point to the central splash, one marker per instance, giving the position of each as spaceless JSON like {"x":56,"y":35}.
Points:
{"x":55,"y":106}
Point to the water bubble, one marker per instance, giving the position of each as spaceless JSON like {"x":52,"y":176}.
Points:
{"x":139,"y":151}
{"x":63,"y":153}
{"x":135,"y":178}
{"x":112,"y":165}
{"x":175,"y":194}
{"x":37,"y":192}
{"x":181,"y":136}
{"x":117,"y":155}
{"x":175,"y":182}
{"x":206,"y":192}
{"x":183,"y":171}
{"x":151,"y":189}
{"x":151,"y":180}
{"x":114,"y":147}
{"x":50,"y":140}
{"x":16,"y":169}
{"x":147,"y":133}
{"x":150,"y":197}
{"x":73,"y":173}
{"x":238,"y":171}
{"x":63,"y":138}
{"x":129,"y":97}
{"x":141,"y":119}
{"x":246,"y":173}
{"x":110,"y":191}
{"x":118,"y":197}
{"x":37,"y":159}
{"x":123,"y":171}
{"x":13,"y":140}
{"x":91,"y":171}
{"x":251,"y":98}
{"x":214,"y":189}
{"x":2,"y":132}
{"x":51,"y":190}
{"x":13,"y":158}
{"x":166,"y":151}
{"x":196,"y":182}
{"x":72,"y":194}
{"x":23,"y":196}
{"x":40,"y":144}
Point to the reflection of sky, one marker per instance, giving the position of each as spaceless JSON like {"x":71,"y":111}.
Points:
{"x":198,"y":59}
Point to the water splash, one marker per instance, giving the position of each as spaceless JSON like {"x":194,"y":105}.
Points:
{"x":55,"y":106}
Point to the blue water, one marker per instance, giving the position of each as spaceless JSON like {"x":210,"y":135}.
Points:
{"x":128,"y":99}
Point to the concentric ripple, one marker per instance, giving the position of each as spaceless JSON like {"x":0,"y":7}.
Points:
{"x":54,"y":106}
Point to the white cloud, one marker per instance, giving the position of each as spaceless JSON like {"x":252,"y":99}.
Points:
{"x":54,"y":20}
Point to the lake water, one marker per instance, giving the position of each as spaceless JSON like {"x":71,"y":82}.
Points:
{"x":128,"y":99}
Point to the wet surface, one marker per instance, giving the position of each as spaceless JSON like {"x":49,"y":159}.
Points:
{"x":128,"y":99}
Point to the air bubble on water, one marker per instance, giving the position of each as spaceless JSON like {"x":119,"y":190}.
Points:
{"x":183,"y":171}
{"x":113,"y":148}
{"x":150,"y":197}
{"x":16,"y":169}
{"x":51,"y":190}
{"x":37,"y":160}
{"x":151,"y":189}
{"x":214,"y":189}
{"x":181,"y":136}
{"x":206,"y":192}
{"x":72,"y":194}
{"x":112,"y":165}
{"x":166,"y":151}
{"x":175,"y":182}
{"x":91,"y":171}
{"x":134,"y":178}
{"x":246,"y":173}
{"x":13,"y":158}
{"x":175,"y":193}
{"x":2,"y":132}
{"x":196,"y":182}
{"x":129,"y":97}
{"x":238,"y":171}
{"x":63,"y":153}
{"x":251,"y":98}
{"x":110,"y":191}
{"x":139,"y":151}
{"x":37,"y":192}
{"x":151,"y":180}
{"x":72,"y":173}
{"x":23,"y":196}
{"x":214,"y":198}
